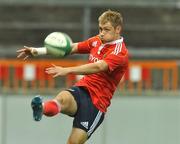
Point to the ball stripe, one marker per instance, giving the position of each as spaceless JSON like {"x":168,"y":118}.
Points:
{"x":69,"y":42}
{"x":55,"y":51}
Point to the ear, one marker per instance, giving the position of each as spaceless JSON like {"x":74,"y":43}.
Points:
{"x":118,"y":29}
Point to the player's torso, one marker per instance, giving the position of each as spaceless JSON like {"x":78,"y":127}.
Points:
{"x":103,"y":84}
{"x":99,"y":50}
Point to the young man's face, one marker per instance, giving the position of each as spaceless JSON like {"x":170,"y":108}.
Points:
{"x":108,"y":33}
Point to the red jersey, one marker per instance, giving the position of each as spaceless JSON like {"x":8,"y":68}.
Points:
{"x":102,"y":85}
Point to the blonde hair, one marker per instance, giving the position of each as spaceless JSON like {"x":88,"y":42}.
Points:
{"x":114,"y":17}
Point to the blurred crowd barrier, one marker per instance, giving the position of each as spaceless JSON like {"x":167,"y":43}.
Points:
{"x":23,"y":76}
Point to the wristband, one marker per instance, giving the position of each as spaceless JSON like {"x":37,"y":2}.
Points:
{"x":39,"y":51}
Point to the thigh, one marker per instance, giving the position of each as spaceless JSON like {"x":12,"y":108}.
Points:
{"x":77,"y":136}
{"x":88,"y":121}
{"x":67,"y":102}
{"x":88,"y":117}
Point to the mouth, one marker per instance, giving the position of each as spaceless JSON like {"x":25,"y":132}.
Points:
{"x":101,"y":37}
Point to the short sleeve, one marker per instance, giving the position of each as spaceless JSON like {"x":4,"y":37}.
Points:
{"x":87,"y":45}
{"x":83,"y":47}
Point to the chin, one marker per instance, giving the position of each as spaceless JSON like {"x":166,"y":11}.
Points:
{"x":106,"y":41}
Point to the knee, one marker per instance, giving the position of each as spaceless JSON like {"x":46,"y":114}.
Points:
{"x":67,"y":102}
{"x":78,"y":136}
{"x":63,"y":98}
{"x":72,"y":141}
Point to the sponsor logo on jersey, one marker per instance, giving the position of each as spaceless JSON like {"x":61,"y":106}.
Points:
{"x":93,"y":58}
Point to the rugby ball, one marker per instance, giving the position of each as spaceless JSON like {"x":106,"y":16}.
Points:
{"x":58,"y":44}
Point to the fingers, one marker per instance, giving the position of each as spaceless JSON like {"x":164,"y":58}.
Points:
{"x":50,"y":70}
{"x":53,"y":71}
{"x":26,"y":47}
{"x":23,"y":49}
{"x":22,"y":54}
{"x":20,"y":50}
{"x":55,"y":75}
{"x":26,"y":57}
{"x":53,"y":65}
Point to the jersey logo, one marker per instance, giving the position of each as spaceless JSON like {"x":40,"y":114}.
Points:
{"x":85,"y":124}
{"x":94,"y":44}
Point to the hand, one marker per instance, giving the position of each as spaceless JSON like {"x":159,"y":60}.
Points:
{"x":26,"y":52}
{"x":57,"y":71}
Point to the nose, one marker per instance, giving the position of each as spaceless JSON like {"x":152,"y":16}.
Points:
{"x":101,"y":34}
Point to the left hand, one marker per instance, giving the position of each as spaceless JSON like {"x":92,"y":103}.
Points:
{"x":57,"y":71}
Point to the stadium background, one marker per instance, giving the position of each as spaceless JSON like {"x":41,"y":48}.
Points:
{"x":146,"y":105}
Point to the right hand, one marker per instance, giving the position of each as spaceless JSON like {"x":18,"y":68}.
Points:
{"x":57,"y":70}
{"x":26,"y":52}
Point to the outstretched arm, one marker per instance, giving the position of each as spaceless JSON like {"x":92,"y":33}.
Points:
{"x":85,"y":69}
{"x":27,"y":52}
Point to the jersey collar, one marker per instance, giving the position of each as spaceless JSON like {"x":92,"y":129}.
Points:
{"x":115,"y":41}
{"x":110,"y":43}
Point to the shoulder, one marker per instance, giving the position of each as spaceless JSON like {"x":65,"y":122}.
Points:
{"x":120,"y":48}
{"x":94,"y":41}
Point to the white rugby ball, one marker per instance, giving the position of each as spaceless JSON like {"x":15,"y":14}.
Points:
{"x":58,"y":44}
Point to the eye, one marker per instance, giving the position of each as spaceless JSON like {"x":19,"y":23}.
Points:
{"x":106,"y":29}
{"x":100,"y":29}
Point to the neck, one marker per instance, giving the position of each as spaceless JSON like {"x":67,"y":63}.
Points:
{"x":117,"y":37}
